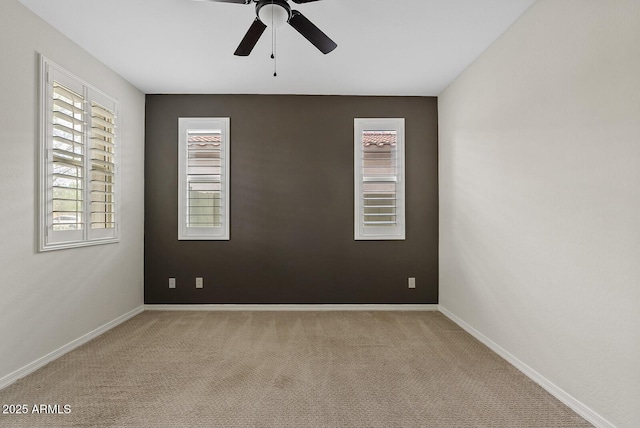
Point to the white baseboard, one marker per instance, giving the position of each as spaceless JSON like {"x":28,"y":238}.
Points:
{"x":40,"y":362}
{"x":292,"y":307}
{"x":573,"y":403}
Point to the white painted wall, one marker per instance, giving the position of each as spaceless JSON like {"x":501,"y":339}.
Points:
{"x":540,"y":199}
{"x":43,"y":307}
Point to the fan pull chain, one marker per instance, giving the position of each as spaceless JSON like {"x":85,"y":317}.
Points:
{"x":273,"y":43}
{"x":273,"y":55}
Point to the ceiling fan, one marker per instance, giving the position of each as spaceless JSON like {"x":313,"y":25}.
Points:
{"x":276,"y":13}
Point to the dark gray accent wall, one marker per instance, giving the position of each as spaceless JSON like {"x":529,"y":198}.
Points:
{"x":291,"y":204}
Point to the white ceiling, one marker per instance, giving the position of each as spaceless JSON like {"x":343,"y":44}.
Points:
{"x":385,"y":47}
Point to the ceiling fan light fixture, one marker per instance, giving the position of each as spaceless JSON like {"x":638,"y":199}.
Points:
{"x":273,"y":13}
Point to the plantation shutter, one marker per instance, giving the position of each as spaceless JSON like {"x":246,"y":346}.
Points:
{"x":379,"y":179}
{"x":204,"y":173}
{"x":379,"y":176}
{"x":102,"y":167}
{"x":68,"y":152}
{"x":203,"y":179}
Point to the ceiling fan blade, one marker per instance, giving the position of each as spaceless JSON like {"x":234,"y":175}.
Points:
{"x":229,"y":1}
{"x":311,"y":32}
{"x":303,"y":1}
{"x":251,"y":38}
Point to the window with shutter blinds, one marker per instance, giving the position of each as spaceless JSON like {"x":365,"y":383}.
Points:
{"x":78,"y":162}
{"x":379,"y":179}
{"x":203,"y":179}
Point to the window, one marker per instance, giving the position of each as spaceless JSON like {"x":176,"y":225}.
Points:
{"x":203,"y":191}
{"x":379,"y":179}
{"x":79,"y":176}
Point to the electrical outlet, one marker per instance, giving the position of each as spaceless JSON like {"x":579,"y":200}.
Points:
{"x":172,"y":283}
{"x":199,"y":283}
{"x":412,"y":283}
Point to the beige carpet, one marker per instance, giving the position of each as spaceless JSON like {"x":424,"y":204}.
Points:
{"x":285,"y":369}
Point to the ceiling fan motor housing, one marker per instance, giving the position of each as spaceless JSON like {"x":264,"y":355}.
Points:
{"x":276,"y":12}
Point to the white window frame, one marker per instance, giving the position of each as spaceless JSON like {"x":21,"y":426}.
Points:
{"x":394,"y":231}
{"x":50,"y":239}
{"x":190,"y":124}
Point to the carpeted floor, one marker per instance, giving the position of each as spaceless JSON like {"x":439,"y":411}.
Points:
{"x":285,"y":369}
